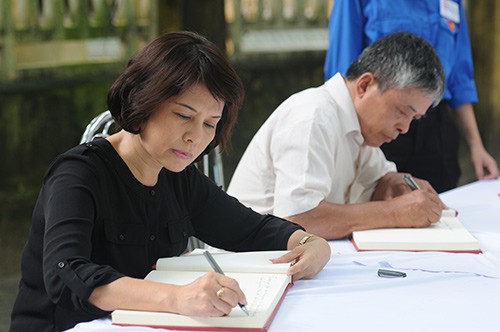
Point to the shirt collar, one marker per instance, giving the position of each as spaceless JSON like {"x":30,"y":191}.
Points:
{"x":337,"y":88}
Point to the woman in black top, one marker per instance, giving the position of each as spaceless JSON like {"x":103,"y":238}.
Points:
{"x":110,"y":208}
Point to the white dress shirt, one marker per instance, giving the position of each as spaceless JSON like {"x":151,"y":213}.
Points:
{"x":310,"y":149}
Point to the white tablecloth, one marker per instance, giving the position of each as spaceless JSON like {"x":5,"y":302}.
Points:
{"x":442,"y":291}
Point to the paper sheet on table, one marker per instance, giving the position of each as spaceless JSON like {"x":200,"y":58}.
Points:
{"x":485,"y":264}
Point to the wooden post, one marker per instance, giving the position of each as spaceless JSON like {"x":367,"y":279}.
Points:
{"x":205,"y":17}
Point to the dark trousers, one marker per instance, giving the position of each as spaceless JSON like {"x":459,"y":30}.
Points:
{"x":429,"y":150}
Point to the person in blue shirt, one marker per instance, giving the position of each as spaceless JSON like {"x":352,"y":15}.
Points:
{"x":430,"y":149}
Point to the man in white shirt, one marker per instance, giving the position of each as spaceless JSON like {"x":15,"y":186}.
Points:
{"x":316,"y":161}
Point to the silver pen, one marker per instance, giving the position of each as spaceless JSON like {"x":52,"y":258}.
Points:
{"x":410,"y":182}
{"x":390,"y":274}
{"x":217,"y":269}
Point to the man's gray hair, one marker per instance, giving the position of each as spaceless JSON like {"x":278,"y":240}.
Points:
{"x":401,"y":60}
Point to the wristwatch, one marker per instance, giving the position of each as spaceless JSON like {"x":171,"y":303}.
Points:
{"x":305,"y":239}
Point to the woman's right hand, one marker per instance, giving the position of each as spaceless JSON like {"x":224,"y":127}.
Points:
{"x":213,"y":294}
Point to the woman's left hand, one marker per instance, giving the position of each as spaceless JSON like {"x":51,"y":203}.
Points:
{"x":310,"y":257}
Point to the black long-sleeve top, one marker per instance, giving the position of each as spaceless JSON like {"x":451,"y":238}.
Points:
{"x":94,"y":223}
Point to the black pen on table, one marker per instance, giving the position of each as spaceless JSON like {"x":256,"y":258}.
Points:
{"x":390,"y":274}
{"x":410,"y":182}
{"x":217,"y":269}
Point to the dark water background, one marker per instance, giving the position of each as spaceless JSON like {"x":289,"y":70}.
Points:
{"x":14,"y":226}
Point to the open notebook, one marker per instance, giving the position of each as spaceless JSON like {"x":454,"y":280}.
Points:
{"x":264,"y":284}
{"x":449,"y":234}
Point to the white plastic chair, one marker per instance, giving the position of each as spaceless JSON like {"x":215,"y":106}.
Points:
{"x":211,"y":165}
{"x":98,"y":127}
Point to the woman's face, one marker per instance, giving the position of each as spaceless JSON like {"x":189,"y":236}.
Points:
{"x":180,"y":130}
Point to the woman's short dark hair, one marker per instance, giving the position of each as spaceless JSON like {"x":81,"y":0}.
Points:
{"x":167,"y":67}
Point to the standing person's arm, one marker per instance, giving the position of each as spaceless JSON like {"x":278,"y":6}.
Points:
{"x":462,"y":87}
{"x":485,"y":166}
{"x":345,"y":36}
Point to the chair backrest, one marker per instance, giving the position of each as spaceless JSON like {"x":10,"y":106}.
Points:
{"x":211,"y":164}
{"x":99,"y":126}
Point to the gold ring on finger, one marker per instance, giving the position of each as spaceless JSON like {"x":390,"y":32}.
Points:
{"x":220,"y":293}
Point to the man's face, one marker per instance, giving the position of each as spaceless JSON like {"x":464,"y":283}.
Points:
{"x":384,"y":116}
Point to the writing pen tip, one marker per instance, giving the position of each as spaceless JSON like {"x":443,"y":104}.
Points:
{"x":245,"y":310}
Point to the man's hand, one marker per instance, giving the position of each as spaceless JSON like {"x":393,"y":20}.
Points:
{"x":417,"y":208}
{"x":392,"y":185}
